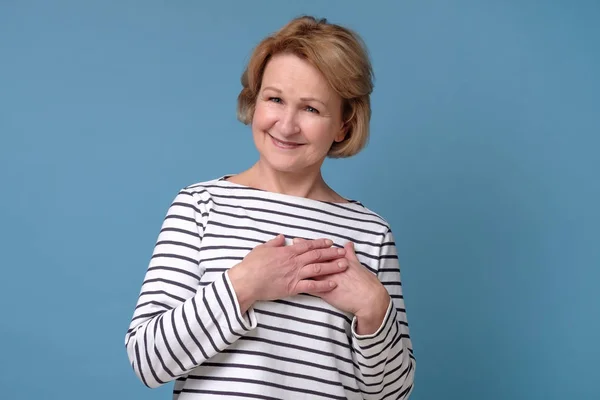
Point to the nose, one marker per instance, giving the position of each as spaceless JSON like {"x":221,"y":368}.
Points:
{"x":288,"y":124}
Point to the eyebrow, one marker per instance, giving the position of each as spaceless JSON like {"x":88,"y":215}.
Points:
{"x":302,"y":98}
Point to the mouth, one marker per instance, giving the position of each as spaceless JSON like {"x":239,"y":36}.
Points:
{"x":285,"y":145}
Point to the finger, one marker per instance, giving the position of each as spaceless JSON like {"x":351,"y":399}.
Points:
{"x":351,"y":252}
{"x":320,"y":255}
{"x":307,"y":245}
{"x":277,"y":241}
{"x":321,"y":269}
{"x":314,"y":287}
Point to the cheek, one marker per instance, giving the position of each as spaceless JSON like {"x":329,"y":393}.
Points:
{"x":318,"y":132}
{"x":264,"y":116}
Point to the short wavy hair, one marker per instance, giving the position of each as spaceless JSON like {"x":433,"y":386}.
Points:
{"x":339,"y":54}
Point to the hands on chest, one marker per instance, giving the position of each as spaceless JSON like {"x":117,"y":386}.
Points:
{"x":273,"y":271}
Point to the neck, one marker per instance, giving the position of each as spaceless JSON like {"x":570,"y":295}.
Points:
{"x":307,"y":183}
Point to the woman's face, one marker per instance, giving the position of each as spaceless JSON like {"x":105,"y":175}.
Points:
{"x":297,"y":116}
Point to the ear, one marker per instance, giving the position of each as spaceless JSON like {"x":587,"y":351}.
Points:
{"x":342,"y":134}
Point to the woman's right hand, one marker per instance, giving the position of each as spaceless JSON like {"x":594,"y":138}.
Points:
{"x":273,"y":271}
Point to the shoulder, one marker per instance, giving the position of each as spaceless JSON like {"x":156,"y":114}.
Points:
{"x":359,"y":212}
{"x":197,"y":194}
{"x":202,"y":185}
{"x":376,"y":216}
{"x":203,"y":189}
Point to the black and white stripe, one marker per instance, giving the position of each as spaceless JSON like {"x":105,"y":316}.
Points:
{"x":187,"y":326}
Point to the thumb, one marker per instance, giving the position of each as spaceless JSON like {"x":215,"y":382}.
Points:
{"x":350,"y":252}
{"x":277,"y":241}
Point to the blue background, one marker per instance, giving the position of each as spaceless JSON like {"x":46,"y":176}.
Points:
{"x":484,"y":157}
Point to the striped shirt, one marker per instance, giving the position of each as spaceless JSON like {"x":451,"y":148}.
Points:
{"x":187,"y":326}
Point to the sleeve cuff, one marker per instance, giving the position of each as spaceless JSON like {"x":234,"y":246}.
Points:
{"x":247,"y":321}
{"x":379,"y":337}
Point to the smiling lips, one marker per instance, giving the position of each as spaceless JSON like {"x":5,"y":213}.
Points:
{"x":285,"y":145}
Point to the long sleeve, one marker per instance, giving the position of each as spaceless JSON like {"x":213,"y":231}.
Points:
{"x":385,"y":360}
{"x":177,"y":324}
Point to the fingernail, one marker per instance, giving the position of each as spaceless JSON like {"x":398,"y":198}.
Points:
{"x":296,"y":240}
{"x":331,"y":284}
{"x":328,"y":242}
{"x":341,"y":252}
{"x":342,"y":265}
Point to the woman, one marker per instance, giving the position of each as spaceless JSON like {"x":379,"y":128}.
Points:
{"x":268,"y":284}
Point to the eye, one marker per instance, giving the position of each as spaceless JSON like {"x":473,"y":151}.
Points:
{"x":275,"y":99}
{"x":312,"y":109}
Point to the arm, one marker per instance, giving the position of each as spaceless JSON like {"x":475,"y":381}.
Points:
{"x":177,"y":324}
{"x":386,"y":365}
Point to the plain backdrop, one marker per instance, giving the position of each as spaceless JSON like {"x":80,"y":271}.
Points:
{"x":484,"y":157}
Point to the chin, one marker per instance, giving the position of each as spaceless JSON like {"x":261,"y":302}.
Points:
{"x":282,"y":165}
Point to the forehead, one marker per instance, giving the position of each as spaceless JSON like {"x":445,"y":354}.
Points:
{"x":291,"y":74}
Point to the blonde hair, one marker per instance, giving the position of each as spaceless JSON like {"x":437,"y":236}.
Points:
{"x":339,"y":54}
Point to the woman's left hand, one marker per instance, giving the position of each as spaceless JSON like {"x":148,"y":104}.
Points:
{"x":359,"y":292}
